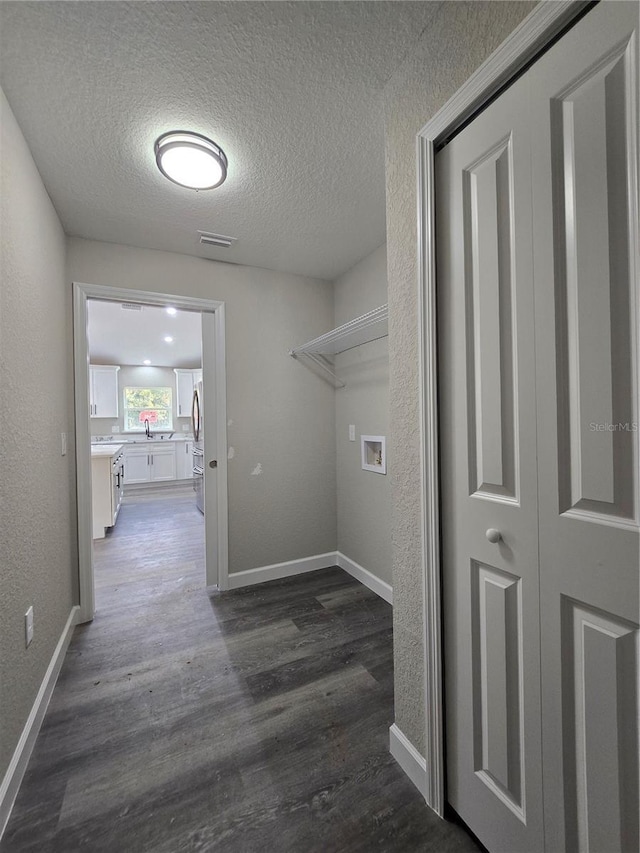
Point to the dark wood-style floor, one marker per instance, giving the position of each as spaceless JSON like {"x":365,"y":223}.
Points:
{"x":243,"y":721}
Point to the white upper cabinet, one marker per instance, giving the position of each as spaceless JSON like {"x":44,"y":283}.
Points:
{"x":103,"y":391}
{"x":186,"y":381}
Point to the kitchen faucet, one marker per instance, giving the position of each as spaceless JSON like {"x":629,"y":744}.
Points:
{"x":146,"y":428}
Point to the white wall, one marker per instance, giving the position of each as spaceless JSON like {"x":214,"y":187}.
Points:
{"x":281,"y":416}
{"x":363,"y":497}
{"x":459,"y":39}
{"x":37,"y":545}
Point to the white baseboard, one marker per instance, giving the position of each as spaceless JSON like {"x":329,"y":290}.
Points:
{"x":282,"y":570}
{"x":18,"y":764}
{"x":380,"y":587}
{"x":310,"y":564}
{"x":409,"y":759}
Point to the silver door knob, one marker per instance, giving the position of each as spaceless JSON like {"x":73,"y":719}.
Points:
{"x":493,"y":535}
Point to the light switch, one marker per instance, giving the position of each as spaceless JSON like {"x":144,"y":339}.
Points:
{"x":352,"y":432}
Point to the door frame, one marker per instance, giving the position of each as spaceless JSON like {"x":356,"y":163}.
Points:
{"x":81,"y":293}
{"x":543,"y":26}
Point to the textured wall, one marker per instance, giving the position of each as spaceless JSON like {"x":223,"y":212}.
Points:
{"x":37,"y":540}
{"x":364,"y":498}
{"x":281,"y":416}
{"x":459,"y":38}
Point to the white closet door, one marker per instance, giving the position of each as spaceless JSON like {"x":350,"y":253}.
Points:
{"x":585,"y":148}
{"x":488,"y":476}
{"x":541,"y":442}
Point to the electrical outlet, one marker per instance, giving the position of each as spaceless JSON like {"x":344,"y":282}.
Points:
{"x":352,"y":432}
{"x":28,"y":626}
{"x":115,"y":429}
{"x":185,"y":427}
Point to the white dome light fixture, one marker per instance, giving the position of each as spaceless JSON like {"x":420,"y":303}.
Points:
{"x":191,"y":160}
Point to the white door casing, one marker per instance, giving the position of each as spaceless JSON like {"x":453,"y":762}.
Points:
{"x":214,"y":449}
{"x":579,"y":103}
{"x":217,"y":361}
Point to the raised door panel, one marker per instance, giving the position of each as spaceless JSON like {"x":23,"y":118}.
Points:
{"x":104,"y":392}
{"x":585,"y":157}
{"x":136,"y":466}
{"x":600,"y":725}
{"x":184,"y":392}
{"x":488,"y":478}
{"x":184,"y":461}
{"x":498,"y":686}
{"x":163,"y":465}
{"x":488,"y":226}
{"x":595,"y":329}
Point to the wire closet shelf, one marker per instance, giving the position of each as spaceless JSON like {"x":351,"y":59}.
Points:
{"x":362,"y":330}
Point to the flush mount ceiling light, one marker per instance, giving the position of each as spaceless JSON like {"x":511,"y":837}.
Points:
{"x":168,"y":339}
{"x":171,"y":310}
{"x":191,"y":160}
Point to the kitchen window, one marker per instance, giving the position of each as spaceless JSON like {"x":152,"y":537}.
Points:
{"x":148,"y":404}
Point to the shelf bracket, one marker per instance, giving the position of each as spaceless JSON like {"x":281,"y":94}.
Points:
{"x":365,"y":329}
{"x":323,"y":363}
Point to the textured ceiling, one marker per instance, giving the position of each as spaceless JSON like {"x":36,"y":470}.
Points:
{"x":291,"y":91}
{"x":118,"y":335}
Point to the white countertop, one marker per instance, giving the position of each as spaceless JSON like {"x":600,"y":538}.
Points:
{"x":96,"y":441}
{"x":103,"y":449}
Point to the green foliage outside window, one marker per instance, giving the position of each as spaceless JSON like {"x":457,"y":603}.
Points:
{"x":153,"y":404}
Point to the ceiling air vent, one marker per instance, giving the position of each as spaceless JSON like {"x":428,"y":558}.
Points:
{"x":218,"y":240}
{"x":131,"y":306}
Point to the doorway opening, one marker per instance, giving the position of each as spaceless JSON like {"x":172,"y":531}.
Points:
{"x":145,"y":372}
{"x":150,"y":488}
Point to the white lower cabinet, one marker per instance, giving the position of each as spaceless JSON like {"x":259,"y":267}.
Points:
{"x":136,"y":465}
{"x":163,"y":464}
{"x":107,"y":464}
{"x":184,"y":460}
{"x":150,"y":463}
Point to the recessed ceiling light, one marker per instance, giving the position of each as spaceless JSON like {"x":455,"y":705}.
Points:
{"x":171,"y":310}
{"x":191,"y":160}
{"x":146,"y":361}
{"x":168,"y":339}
